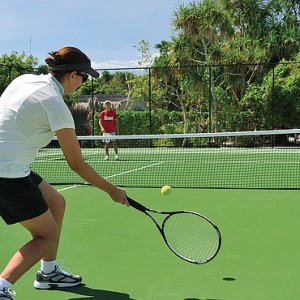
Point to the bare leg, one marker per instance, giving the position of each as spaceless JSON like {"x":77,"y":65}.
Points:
{"x":106,"y":147}
{"x":45,"y":233}
{"x":57,"y":205}
{"x":116,"y":147}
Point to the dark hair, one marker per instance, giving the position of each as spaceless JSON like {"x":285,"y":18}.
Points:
{"x":68,"y":59}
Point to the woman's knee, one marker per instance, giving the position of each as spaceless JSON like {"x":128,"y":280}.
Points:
{"x":54,"y":199}
{"x":43,"y":227}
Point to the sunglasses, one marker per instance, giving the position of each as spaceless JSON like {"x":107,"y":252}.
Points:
{"x":83,"y":76}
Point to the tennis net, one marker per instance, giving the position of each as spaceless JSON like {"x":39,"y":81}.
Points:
{"x":229,"y":160}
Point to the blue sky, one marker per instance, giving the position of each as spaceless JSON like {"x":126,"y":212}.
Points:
{"x":106,"y":30}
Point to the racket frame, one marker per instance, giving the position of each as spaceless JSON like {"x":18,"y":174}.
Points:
{"x":169,"y":214}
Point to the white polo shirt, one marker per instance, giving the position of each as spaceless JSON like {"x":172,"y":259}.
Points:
{"x":31,"y":110}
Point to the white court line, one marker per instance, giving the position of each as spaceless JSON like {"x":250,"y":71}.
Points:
{"x":134,"y":170}
{"x":68,"y":188}
{"x":119,"y":174}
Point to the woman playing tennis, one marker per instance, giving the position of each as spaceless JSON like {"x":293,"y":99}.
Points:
{"x":32,"y":111}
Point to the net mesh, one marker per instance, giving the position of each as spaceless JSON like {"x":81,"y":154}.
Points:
{"x":240,"y":160}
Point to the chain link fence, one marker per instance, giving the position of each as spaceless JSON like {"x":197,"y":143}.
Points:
{"x":210,"y":98}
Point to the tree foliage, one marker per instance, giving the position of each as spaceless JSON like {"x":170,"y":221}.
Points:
{"x":13,"y":65}
{"x":234,"y":44}
{"x":229,"y":65}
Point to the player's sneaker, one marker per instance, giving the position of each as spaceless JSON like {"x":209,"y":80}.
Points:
{"x":57,"y":279}
{"x":116,"y":157}
{"x":106,"y":157}
{"x":7,"y":294}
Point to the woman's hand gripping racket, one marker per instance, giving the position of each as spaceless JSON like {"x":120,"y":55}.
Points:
{"x":189,"y":235}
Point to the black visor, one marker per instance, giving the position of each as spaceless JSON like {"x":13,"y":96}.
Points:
{"x":77,"y":67}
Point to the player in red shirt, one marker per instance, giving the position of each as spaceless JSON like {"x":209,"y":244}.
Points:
{"x":108,"y":122}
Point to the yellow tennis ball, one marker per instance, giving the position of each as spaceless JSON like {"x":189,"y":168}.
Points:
{"x":166,"y":190}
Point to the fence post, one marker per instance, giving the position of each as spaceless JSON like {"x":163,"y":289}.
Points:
{"x":93,"y":108}
{"x":272,"y":104}
{"x":209,"y":98}
{"x":150,"y":100}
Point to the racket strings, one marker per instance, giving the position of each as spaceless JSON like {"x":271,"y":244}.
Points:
{"x":191,"y":236}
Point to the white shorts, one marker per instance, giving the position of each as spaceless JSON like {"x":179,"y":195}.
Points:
{"x":108,"y":134}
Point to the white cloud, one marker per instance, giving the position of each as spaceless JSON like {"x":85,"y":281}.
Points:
{"x":113,"y":64}
{"x":120,"y":63}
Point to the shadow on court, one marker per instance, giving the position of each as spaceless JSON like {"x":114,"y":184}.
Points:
{"x":95,"y":294}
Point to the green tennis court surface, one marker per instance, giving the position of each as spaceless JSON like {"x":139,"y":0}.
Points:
{"x":121,"y":255}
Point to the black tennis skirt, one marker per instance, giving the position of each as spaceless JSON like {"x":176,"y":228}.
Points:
{"x":21,"y":198}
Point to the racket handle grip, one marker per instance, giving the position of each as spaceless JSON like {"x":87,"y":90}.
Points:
{"x":136,"y":205}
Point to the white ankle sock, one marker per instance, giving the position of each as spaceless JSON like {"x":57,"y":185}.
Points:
{"x":48,"y":266}
{"x":4,"y":284}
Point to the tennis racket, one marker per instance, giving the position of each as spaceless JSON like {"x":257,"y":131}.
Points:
{"x":189,"y":235}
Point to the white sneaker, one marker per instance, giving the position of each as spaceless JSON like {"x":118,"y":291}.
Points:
{"x":57,"y":279}
{"x":7,"y":294}
{"x":106,"y":157}
{"x":116,"y":157}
